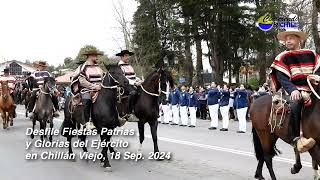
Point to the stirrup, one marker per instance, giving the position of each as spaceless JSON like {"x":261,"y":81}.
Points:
{"x":122,"y":121}
{"x":132,"y":118}
{"x":304,"y":144}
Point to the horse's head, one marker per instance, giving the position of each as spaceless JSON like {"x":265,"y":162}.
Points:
{"x":116,"y":76}
{"x":5,"y":87}
{"x":49,"y":84}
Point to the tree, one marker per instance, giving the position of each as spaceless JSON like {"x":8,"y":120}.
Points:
{"x":315,"y":30}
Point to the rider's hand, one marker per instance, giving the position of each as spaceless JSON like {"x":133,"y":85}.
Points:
{"x":295,"y":95}
{"x":98,"y":87}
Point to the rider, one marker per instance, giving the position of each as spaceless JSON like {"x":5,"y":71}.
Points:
{"x":133,"y":81}
{"x":90,"y":79}
{"x":39,"y":76}
{"x":11,"y":82}
{"x":290,"y":70}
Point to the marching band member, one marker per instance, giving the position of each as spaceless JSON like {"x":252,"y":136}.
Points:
{"x":174,"y":100}
{"x":184,"y":101}
{"x":224,"y":107}
{"x":241,"y":105}
{"x":213,"y":104}
{"x":193,"y":104}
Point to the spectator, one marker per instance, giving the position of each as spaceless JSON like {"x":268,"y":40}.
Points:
{"x":241,"y":105}
{"x":202,"y":103}
{"x":213,"y":104}
{"x":193,"y":103}
{"x":224,"y":107}
{"x":174,"y":99}
{"x":184,"y":102}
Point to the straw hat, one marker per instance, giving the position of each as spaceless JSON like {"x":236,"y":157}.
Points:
{"x":291,"y":31}
{"x":41,"y":63}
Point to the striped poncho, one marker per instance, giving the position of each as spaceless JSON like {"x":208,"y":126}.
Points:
{"x":297,"y":65}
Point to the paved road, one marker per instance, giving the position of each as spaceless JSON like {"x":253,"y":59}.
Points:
{"x":197,"y":153}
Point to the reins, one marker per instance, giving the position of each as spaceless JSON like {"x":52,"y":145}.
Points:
{"x":311,"y":87}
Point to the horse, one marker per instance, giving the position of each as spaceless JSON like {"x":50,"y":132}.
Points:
{"x":265,"y":142}
{"x":43,"y":111}
{"x":104,"y":111}
{"x":7,"y":106}
{"x":26,"y":93}
{"x":146,"y":108}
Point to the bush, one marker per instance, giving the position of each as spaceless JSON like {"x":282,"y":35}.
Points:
{"x":253,"y":82}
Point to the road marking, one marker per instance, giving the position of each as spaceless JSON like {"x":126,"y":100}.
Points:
{"x":216,"y":148}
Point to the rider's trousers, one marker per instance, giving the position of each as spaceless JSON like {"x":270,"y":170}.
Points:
{"x":294,"y":120}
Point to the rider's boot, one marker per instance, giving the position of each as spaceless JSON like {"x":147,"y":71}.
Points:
{"x":301,"y":143}
{"x":56,"y":106}
{"x":87,"y":113}
{"x":131,"y":117}
{"x":31,"y":104}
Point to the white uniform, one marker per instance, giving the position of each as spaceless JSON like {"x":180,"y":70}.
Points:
{"x":242,"y":117}
{"x":193,"y":115}
{"x":214,"y":110}
{"x":184,"y":115}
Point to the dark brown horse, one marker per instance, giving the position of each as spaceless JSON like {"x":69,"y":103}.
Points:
{"x":147,"y":105}
{"x":7,"y":106}
{"x":265,"y":141}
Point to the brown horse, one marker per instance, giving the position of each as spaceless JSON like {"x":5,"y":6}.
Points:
{"x":7,"y":106}
{"x":265,"y":141}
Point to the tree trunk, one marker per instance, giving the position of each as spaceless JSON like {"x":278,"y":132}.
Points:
{"x":314,"y":25}
{"x":199,"y":67}
{"x":262,"y":66}
{"x":188,"y":63}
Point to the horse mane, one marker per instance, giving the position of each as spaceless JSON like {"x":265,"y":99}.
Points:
{"x":151,"y":76}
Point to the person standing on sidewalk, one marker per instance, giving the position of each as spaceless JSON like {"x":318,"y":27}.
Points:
{"x":174,"y":99}
{"x":213,"y":104}
{"x":193,"y":104}
{"x":224,"y":107}
{"x":241,"y":104}
{"x":184,"y":102}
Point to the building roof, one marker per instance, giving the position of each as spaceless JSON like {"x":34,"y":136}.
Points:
{"x":25,"y":67}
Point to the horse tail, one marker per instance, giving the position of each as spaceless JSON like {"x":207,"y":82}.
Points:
{"x":257,"y":145}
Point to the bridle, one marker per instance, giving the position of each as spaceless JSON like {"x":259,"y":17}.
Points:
{"x":120,"y":90}
{"x":51,"y":89}
{"x":160,"y":91}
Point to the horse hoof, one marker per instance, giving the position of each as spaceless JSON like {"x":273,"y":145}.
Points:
{"x":295,"y":169}
{"x":11,"y":124}
{"x":259,"y":177}
{"x":107,"y":169}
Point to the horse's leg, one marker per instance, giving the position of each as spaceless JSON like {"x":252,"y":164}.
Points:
{"x":106,"y":163}
{"x":42,"y":127}
{"x":316,"y":175}
{"x":154,"y":128}
{"x":51,"y":127}
{"x":4,"y":118}
{"x":83,"y":139}
{"x":268,"y":145}
{"x":268,"y":159}
{"x":258,"y":174}
{"x":33,"y":125}
{"x":69,"y":139}
{"x":297,"y":166}
{"x":141,"y":134}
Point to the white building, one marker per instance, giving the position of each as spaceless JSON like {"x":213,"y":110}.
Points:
{"x":17,"y":68}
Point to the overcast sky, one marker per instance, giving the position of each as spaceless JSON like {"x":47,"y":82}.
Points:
{"x":53,"y":30}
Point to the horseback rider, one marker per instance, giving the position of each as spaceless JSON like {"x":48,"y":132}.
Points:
{"x":133,"y":81}
{"x":39,"y":76}
{"x":290,"y":70}
{"x":11,"y":83}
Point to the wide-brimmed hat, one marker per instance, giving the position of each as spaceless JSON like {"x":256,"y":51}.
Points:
{"x":93,"y":52}
{"x":123,"y":52}
{"x":291,"y":31}
{"x":41,"y":63}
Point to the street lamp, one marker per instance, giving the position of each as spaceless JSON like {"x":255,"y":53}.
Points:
{"x":240,"y":52}
{"x":165,"y":60}
{"x":176,"y":60}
